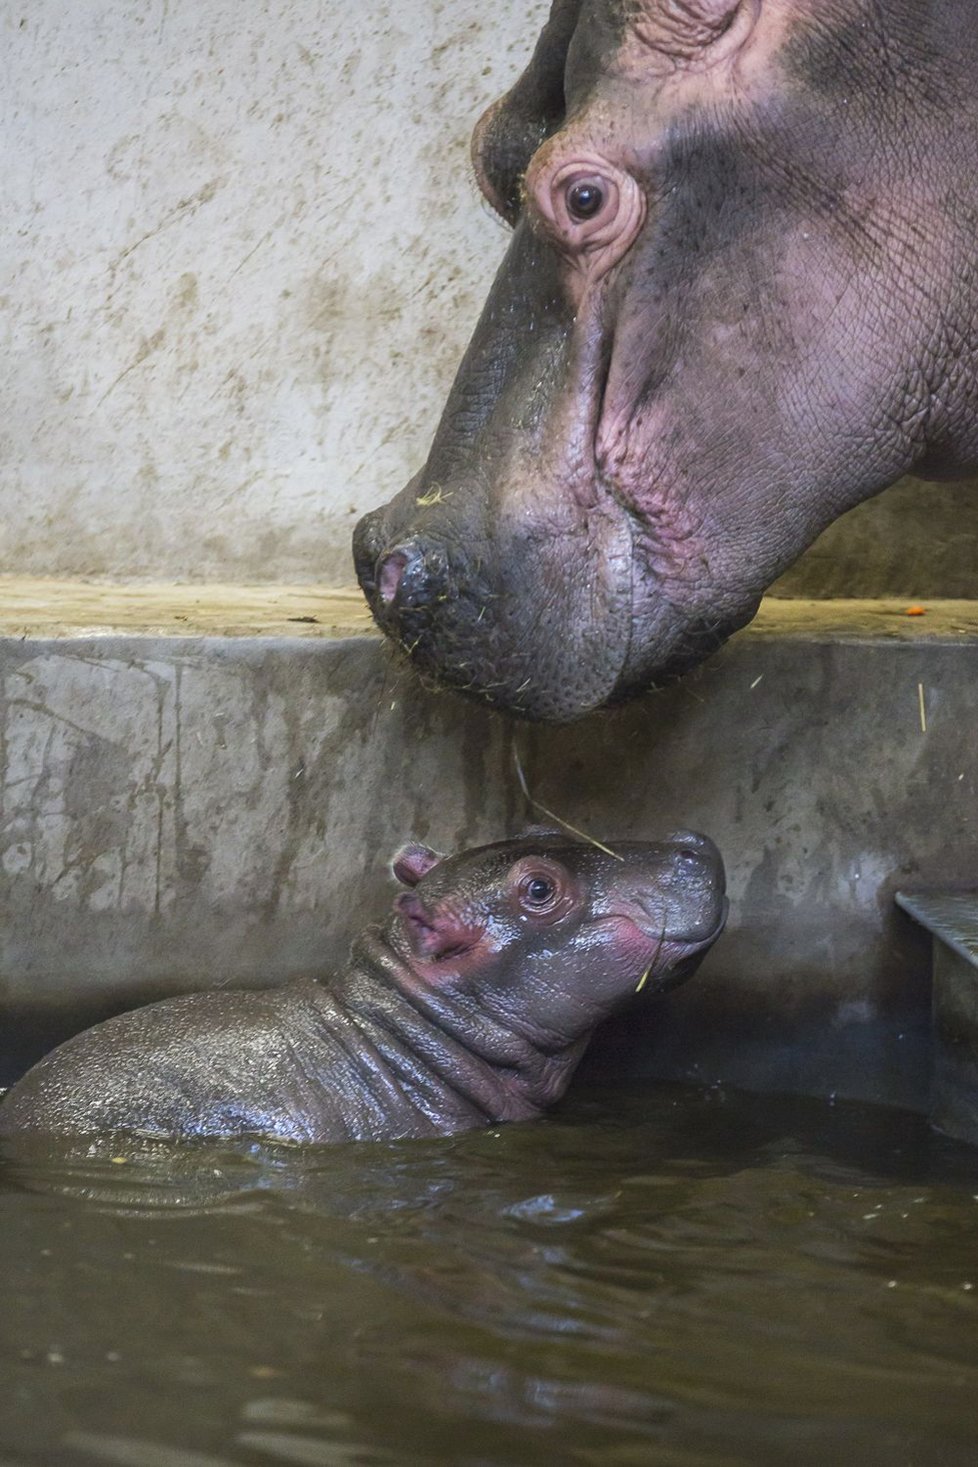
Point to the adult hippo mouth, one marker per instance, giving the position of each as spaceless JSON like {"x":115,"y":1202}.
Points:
{"x":508,"y":627}
{"x":711,"y":335}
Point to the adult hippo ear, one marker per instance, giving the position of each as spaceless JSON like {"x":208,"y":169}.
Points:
{"x":414,"y":861}
{"x":509,"y":132}
{"x":691,"y":30}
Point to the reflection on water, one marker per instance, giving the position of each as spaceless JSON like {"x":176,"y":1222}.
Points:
{"x":664,"y":1277}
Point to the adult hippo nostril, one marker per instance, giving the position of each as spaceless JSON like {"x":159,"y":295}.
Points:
{"x":407,"y":579}
{"x":398,"y":574}
{"x":390,"y":575}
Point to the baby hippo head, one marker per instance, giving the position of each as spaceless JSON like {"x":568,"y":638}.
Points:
{"x":547,"y":935}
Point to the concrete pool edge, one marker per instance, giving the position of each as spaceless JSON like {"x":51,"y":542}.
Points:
{"x":42,"y":607}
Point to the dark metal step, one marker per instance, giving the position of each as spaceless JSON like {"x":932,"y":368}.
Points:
{"x":951,"y":917}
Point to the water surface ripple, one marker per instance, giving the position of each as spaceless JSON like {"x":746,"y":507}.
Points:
{"x":656,"y":1277}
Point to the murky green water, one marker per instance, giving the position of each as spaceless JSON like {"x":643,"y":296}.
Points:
{"x":666,"y":1277}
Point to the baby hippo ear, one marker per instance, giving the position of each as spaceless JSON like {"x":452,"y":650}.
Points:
{"x":414,"y":861}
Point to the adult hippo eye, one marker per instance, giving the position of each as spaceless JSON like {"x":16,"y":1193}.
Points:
{"x":591,"y":209}
{"x":538,"y":891}
{"x":585,"y":200}
{"x":585,"y":205}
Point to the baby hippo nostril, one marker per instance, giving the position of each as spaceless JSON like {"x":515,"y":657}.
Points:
{"x":690,"y":847}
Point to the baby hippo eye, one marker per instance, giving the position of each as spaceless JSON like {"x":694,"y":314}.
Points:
{"x":539,"y":891}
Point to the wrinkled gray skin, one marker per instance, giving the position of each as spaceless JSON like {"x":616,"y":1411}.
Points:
{"x":471,"y":1005}
{"x":772,"y":316}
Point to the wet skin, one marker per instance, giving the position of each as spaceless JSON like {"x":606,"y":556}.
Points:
{"x":741,"y":296}
{"x":471,"y":1005}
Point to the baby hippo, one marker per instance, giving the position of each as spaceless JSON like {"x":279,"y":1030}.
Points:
{"x":471,"y":1005}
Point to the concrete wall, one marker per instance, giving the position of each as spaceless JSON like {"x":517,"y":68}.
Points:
{"x":244,"y":255}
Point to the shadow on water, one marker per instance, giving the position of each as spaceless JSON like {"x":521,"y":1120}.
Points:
{"x":669,"y":1276}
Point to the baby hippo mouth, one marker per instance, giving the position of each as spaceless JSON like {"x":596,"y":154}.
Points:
{"x":700,"y":935}
{"x":667,"y":957}
{"x":671,"y":915}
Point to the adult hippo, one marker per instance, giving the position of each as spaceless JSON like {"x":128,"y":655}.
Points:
{"x":740,"y":298}
{"x":472,"y":1004}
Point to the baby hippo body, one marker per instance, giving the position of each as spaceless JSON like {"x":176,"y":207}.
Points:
{"x":471,"y":1005}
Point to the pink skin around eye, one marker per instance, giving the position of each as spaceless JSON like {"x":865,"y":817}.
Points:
{"x":594,"y":244}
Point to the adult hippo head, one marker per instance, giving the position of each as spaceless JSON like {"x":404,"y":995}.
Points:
{"x":740,"y":297}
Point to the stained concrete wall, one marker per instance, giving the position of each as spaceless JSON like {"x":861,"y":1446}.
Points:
{"x":242,"y":254}
{"x":178,"y":813}
{"x":916,"y":540}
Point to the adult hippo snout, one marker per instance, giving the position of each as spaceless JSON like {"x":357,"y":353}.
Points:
{"x":740,"y":297}
{"x":506,"y":567}
{"x":528,"y":615}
